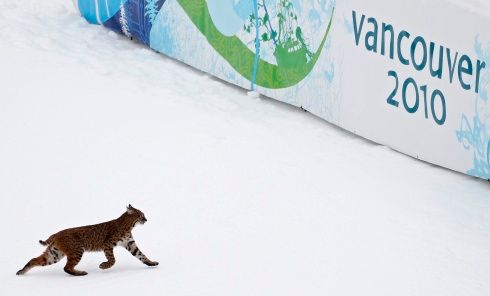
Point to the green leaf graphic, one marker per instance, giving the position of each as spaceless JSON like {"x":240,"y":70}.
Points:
{"x":241,"y":58}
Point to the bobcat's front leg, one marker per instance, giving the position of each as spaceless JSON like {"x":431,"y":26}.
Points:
{"x":109,"y":254}
{"x":131,"y":246}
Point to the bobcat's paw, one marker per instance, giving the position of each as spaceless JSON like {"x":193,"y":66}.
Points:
{"x":106,"y":265}
{"x":75,"y":272}
{"x":151,"y":263}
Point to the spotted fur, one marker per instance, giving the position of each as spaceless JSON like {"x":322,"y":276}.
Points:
{"x":102,"y":237}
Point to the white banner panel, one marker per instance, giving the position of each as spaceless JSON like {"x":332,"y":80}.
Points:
{"x":412,"y":75}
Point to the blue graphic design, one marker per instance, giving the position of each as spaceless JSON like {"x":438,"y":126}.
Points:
{"x":476,"y":135}
{"x":135,"y":18}
{"x":99,"y":11}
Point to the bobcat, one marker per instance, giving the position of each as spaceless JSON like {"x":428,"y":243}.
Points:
{"x":73,"y":242}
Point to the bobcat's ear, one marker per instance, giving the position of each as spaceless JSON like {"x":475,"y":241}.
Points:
{"x":130,"y":209}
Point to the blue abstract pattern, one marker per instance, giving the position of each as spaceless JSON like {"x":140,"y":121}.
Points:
{"x":99,"y":11}
{"x":135,"y":18}
{"x":474,"y":134}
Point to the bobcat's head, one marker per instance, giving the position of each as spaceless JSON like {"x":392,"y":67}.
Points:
{"x":136,"y":216}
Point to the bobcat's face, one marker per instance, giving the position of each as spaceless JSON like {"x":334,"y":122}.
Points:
{"x":137,"y":215}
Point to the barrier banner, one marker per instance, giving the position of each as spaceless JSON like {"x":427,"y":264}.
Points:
{"x":411,"y":75}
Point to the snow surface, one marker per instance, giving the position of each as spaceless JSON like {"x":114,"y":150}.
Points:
{"x":244,"y":196}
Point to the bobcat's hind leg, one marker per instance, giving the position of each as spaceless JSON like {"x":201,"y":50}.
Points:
{"x":73,"y":259}
{"x":109,"y":254}
{"x":52,"y":255}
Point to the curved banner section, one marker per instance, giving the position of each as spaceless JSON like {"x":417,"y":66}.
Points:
{"x":405,"y":76}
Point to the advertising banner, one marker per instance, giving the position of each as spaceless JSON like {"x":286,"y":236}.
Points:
{"x":411,"y":75}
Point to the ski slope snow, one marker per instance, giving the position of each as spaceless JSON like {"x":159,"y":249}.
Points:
{"x":244,"y":196}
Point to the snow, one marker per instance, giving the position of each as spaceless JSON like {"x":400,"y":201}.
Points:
{"x":244,"y":196}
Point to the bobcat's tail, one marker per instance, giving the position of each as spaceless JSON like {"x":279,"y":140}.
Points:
{"x":47,"y":242}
